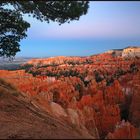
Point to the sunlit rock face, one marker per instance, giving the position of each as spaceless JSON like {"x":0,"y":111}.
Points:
{"x":53,"y":60}
{"x":103,"y":106}
{"x":131,"y":52}
{"x":91,"y":94}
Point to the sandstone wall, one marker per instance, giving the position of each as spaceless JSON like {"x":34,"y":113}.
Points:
{"x":131,"y":52}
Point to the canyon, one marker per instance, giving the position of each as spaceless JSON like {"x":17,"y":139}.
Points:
{"x":93,"y":97}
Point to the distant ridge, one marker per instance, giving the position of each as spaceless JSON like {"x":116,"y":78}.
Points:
{"x":132,"y":47}
{"x":130,"y":51}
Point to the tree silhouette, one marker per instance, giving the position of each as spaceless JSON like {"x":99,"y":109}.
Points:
{"x":13,"y":28}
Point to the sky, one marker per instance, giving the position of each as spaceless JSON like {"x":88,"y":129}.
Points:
{"x":107,"y":25}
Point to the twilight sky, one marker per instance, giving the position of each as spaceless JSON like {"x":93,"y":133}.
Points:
{"x":107,"y":25}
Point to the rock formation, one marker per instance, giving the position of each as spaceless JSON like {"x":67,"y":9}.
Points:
{"x":131,"y":52}
{"x":124,"y":130}
{"x":92,"y":94}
